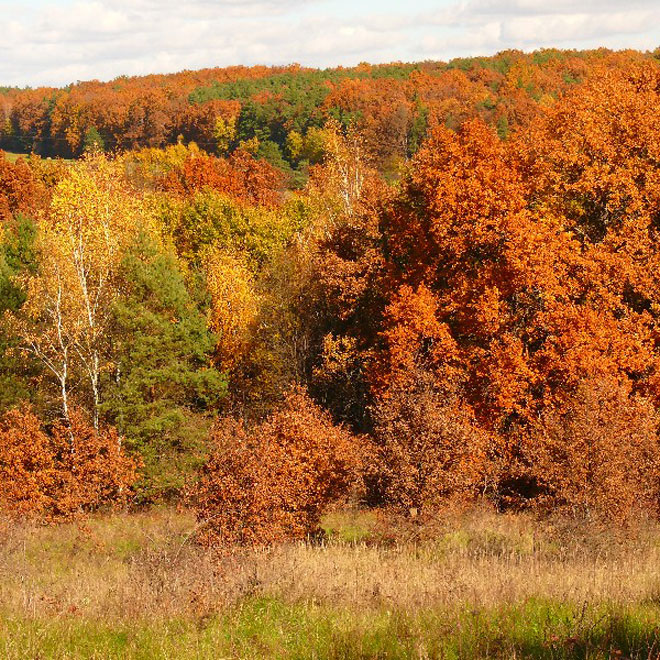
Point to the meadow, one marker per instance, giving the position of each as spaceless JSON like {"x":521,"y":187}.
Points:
{"x":470,"y":585}
{"x":11,"y":156}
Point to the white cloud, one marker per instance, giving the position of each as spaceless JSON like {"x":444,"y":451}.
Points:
{"x":75,"y":40}
{"x":479,"y":26}
{"x":568,"y":27}
{"x":484,"y":39}
{"x":546,"y":8}
{"x":88,"y":18}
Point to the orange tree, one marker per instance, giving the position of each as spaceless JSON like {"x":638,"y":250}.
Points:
{"x":596,"y":453}
{"x":513,"y":271}
{"x":272,"y":482}
{"x":61,"y":472}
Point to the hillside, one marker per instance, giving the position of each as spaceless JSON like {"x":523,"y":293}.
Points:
{"x":276,"y":110}
{"x":351,"y":363}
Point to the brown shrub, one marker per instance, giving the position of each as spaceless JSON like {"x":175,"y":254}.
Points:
{"x":597,"y":454}
{"x":272,"y":483}
{"x":62,"y":472}
{"x":432,"y":450}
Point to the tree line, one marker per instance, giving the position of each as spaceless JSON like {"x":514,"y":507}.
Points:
{"x":276,"y":112}
{"x":181,"y":324}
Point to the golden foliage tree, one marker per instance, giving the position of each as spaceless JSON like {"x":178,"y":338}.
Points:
{"x":234,"y":307}
{"x":92,"y":217}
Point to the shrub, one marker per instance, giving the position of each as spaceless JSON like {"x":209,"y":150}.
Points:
{"x":62,"y":472}
{"x":272,"y":482}
{"x":432,"y":450}
{"x":596,"y":454}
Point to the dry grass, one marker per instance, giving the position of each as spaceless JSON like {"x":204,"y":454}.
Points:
{"x":61,"y":587}
{"x":146,"y":565}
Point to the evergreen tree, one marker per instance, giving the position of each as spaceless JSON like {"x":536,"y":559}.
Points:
{"x":17,"y":255}
{"x":93,"y":141}
{"x":163,"y":385}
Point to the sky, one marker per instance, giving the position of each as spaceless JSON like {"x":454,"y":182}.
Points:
{"x":57,"y":42}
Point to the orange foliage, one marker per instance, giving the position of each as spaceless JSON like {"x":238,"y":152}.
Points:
{"x":18,"y":188}
{"x":512,"y":271}
{"x":271,"y":483}
{"x":597,"y":453}
{"x":392,"y":105}
{"x":432,"y":450}
{"x":241,"y":176}
{"x":129,"y":112}
{"x":531,"y":300}
{"x":414,"y":338}
{"x":199,"y":122}
{"x":61,"y":472}
{"x":499,"y":307}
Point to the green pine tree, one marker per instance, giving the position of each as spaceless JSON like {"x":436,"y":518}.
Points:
{"x":93,"y":141}
{"x":17,"y":255}
{"x":162,"y":387}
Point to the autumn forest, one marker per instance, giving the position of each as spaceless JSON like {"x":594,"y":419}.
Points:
{"x":267,"y":294}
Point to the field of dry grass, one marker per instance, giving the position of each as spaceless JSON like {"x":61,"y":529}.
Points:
{"x":478,"y":585}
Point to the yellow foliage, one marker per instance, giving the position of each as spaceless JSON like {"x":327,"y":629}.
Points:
{"x":92,"y":217}
{"x":235,"y":306}
{"x":147,"y":165}
{"x":251,"y":146}
{"x":294,"y":144}
{"x":225,"y":133}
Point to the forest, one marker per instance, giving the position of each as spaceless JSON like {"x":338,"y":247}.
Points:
{"x":267,"y":296}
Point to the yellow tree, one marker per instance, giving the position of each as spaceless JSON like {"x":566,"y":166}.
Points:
{"x":64,"y":321}
{"x":224,"y":132}
{"x":49,"y":321}
{"x":235,"y":307}
{"x":345,"y":166}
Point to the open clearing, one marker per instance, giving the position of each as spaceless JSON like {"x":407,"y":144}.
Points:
{"x":13,"y":157}
{"x":475,"y":586}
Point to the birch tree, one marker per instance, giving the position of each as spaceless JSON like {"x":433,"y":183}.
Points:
{"x":64,"y":321}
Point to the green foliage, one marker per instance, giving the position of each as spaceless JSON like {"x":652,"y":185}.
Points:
{"x":213,"y":220}
{"x":271,"y":152}
{"x":418,"y":128}
{"x":503,"y":128}
{"x":284,"y":341}
{"x":311,"y":84}
{"x":93,"y":141}
{"x":162,"y":383}
{"x":273,"y":106}
{"x":500,"y":63}
{"x":17,"y":255}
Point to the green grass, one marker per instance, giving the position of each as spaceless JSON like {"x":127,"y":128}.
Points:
{"x":267,"y":628}
{"x":13,"y":157}
{"x":349,"y":526}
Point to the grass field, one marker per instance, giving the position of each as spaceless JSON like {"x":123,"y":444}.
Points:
{"x":474,"y":586}
{"x":12,"y":157}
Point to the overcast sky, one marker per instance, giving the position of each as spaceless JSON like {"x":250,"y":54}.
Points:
{"x":56,"y":42}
